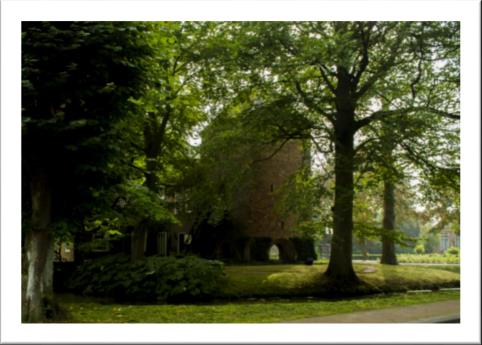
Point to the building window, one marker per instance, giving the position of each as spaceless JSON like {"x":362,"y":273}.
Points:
{"x":162,"y":243}
{"x":282,"y":225}
{"x":274,"y":253}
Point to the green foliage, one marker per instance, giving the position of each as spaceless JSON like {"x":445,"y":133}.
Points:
{"x":308,"y":76}
{"x":172,"y":104}
{"x":142,"y":203}
{"x":428,"y":258}
{"x":431,"y":242}
{"x":150,"y":279}
{"x":308,"y":194}
{"x":76,"y":80}
{"x":222,"y":176}
{"x":419,"y":249}
{"x":453,"y":251}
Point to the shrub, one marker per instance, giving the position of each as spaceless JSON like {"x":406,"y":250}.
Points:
{"x":453,"y":251}
{"x":428,"y":258}
{"x":153,"y":278}
{"x":419,"y":249}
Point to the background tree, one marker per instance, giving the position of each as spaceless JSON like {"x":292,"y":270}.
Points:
{"x":173,"y":106}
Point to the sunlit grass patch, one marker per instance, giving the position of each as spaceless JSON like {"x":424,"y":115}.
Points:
{"x":303,"y":280}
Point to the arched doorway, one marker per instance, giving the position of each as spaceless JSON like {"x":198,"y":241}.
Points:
{"x":287,"y":251}
{"x":274,"y":253}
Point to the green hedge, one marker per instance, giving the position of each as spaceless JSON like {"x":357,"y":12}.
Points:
{"x":455,"y":251}
{"x":153,"y":278}
{"x":428,"y":258}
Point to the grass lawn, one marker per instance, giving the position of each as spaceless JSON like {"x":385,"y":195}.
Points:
{"x":302,"y":280}
{"x":84,"y":310}
{"x":276,"y":288}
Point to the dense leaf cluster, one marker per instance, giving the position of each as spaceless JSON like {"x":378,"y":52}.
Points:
{"x":76,"y":80}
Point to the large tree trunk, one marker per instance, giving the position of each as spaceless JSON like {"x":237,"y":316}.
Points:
{"x":39,"y":243}
{"x":388,"y":252}
{"x":48,"y":281}
{"x":340,"y":267}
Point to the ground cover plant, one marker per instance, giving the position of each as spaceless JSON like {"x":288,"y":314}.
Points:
{"x":87,"y":310}
{"x":151,"y":279}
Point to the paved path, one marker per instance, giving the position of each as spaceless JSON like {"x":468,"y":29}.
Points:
{"x":405,"y":263}
{"x":438,"y":312}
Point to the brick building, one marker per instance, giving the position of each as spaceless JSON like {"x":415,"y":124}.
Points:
{"x":257,"y":217}
{"x":250,"y":232}
{"x":255,"y":228}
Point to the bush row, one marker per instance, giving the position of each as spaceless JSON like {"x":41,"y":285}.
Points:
{"x":428,"y":258}
{"x":150,"y":279}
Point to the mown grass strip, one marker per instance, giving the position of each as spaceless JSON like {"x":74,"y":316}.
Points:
{"x":83,"y":310}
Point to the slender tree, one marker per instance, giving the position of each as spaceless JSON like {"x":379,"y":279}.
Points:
{"x":172,"y":104}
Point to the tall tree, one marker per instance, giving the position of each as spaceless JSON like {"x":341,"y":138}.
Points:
{"x":76,"y":80}
{"x":333,"y":75}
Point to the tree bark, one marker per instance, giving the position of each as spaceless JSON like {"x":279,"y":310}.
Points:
{"x":388,"y":245}
{"x":39,"y":243}
{"x":48,"y":277}
{"x":340,"y":267}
